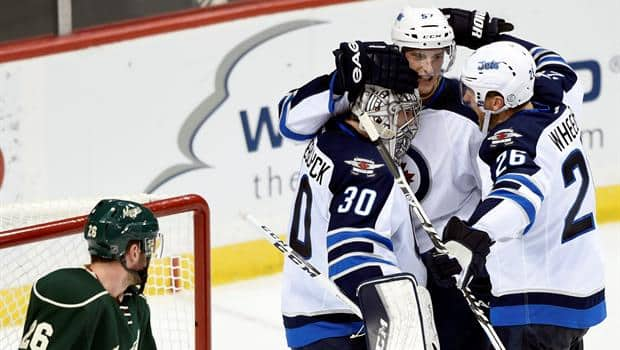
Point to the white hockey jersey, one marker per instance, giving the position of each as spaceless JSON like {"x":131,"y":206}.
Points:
{"x":352,"y":222}
{"x":441,"y":162}
{"x":539,"y":207}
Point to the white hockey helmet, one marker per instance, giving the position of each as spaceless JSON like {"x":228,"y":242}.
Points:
{"x":424,"y":28}
{"x":503,"y":67}
{"x":394,"y":115}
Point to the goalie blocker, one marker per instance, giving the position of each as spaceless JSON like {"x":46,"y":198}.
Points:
{"x":398,"y":314}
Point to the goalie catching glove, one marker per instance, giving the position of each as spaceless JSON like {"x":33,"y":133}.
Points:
{"x":359,"y":63}
{"x":469,"y":246}
{"x":474,"y":29}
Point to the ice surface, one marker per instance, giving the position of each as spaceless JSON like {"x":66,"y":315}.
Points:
{"x":246,"y":315}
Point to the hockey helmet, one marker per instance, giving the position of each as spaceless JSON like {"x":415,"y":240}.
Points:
{"x":503,"y":67}
{"x":113,"y":223}
{"x":395,"y":115}
{"x":424,"y":28}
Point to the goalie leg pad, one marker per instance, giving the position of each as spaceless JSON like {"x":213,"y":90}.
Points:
{"x":398,"y":314}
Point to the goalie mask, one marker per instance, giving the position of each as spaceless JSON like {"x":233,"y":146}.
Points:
{"x":424,"y":28}
{"x":114,"y":223}
{"x":394,"y":115}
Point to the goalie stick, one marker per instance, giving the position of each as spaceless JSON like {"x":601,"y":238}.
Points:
{"x":474,"y":304}
{"x":305,"y":266}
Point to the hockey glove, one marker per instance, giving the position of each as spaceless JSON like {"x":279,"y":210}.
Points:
{"x":390,"y":69}
{"x":441,"y":267}
{"x":359,"y":63}
{"x":469,"y":246}
{"x":352,"y":67}
{"x":475,"y":28}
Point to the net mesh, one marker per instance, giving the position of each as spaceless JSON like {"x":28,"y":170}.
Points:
{"x":170,"y":288}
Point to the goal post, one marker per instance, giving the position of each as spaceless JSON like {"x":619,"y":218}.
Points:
{"x":178,"y":289}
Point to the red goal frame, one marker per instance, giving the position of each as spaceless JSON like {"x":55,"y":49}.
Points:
{"x":164,"y":207}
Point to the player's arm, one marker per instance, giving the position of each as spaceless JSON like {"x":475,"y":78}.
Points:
{"x":359,"y":241}
{"x":508,"y":210}
{"x":519,"y":187}
{"x":556,"y":81}
{"x":363,"y":264}
{"x":305,"y":110}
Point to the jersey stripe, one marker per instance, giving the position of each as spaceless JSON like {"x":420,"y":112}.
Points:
{"x":551,"y":58}
{"x":352,"y":263}
{"x":548,"y":308}
{"x":538,"y":51}
{"x":349,"y":247}
{"x":339,"y":236}
{"x":332,"y":102}
{"x":523,"y":180}
{"x":309,"y":333}
{"x":67,"y":306}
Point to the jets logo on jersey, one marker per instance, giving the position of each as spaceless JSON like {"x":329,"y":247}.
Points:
{"x":417,"y":172}
{"x":503,"y":137}
{"x":408,"y":175}
{"x":361,"y":166}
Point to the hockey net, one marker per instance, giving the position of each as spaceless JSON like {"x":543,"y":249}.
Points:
{"x":36,"y":239}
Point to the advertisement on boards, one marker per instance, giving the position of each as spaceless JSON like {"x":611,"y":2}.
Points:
{"x":196,"y":110}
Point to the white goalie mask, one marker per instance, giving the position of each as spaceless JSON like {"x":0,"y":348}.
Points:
{"x":424,"y":28}
{"x":394,"y":115}
{"x":502,"y":67}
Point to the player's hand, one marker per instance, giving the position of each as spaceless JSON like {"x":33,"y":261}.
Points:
{"x":352,"y":68}
{"x":469,"y":246}
{"x":441,"y":268}
{"x":373,"y":62}
{"x":475,"y":28}
{"x":389,"y":68}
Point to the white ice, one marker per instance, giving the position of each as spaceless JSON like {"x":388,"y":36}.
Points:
{"x":246,"y":315}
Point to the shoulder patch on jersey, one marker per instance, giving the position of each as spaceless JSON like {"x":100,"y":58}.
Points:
{"x":69,"y":288}
{"x":503,"y":137}
{"x":341,"y":146}
{"x":361,"y":166}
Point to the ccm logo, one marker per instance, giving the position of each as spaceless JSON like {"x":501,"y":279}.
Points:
{"x":357,"y":71}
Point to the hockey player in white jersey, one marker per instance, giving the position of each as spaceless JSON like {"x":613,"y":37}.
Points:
{"x":441,"y":162}
{"x":538,"y":198}
{"x":351,"y":221}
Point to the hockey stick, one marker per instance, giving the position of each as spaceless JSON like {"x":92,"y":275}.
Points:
{"x":305,"y":266}
{"x":474,"y":304}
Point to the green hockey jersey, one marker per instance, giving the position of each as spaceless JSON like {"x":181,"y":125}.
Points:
{"x":70,"y":309}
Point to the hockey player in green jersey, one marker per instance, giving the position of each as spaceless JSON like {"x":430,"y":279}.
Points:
{"x":99,"y":306}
